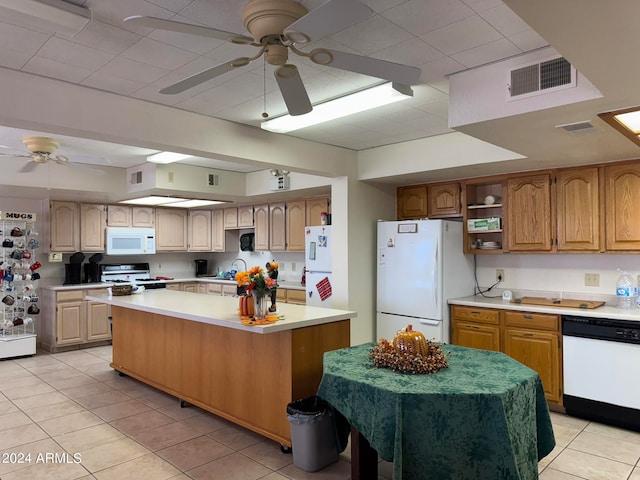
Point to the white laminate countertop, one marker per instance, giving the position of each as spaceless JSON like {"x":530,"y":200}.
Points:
{"x":222,"y":311}
{"x":282,"y":284}
{"x":606,"y":311}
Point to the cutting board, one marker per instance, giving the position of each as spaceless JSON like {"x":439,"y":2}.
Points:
{"x":565,"y":302}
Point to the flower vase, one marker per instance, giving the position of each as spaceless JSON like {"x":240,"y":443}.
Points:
{"x":259,"y":305}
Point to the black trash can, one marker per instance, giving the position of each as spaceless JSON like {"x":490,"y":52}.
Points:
{"x":313,"y":435}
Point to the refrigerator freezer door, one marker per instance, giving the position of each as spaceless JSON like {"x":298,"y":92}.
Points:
{"x":409,"y":269}
{"x":388,"y":326}
{"x":318,"y":248}
{"x":319,"y":289}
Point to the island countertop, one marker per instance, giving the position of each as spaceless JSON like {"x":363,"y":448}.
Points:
{"x":222,"y":311}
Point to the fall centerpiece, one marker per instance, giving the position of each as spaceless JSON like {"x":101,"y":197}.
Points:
{"x":409,"y":352}
{"x":259,"y":285}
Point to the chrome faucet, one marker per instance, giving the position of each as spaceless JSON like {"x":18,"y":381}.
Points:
{"x":239,"y":260}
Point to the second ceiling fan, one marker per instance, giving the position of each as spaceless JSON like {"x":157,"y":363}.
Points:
{"x":277,"y":26}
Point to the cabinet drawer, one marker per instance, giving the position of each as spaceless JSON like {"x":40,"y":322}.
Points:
{"x":95,"y":291}
{"x":214,"y":288}
{"x":70,"y":296}
{"x":482,"y":315}
{"x":296,"y":296}
{"x":538,"y":321}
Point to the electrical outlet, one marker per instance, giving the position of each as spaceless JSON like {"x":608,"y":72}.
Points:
{"x":293,"y":266}
{"x":499,"y":275}
{"x":592,"y":279}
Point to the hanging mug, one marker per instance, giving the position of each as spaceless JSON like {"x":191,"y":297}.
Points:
{"x":26,"y":254}
{"x":35,"y":266}
{"x":17,"y":277}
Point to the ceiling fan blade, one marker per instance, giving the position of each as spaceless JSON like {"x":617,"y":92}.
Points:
{"x":329,"y":18}
{"x":28,"y":167}
{"x":173,"y":26}
{"x":203,"y":76}
{"x":394,"y":72}
{"x":292,"y":89}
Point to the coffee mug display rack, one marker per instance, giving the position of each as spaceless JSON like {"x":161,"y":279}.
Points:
{"x":18,"y":287}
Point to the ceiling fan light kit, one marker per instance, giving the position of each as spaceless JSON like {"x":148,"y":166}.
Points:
{"x":276,"y":27}
{"x":341,"y":107}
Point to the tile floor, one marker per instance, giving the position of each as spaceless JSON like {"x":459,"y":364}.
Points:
{"x":78,"y":419}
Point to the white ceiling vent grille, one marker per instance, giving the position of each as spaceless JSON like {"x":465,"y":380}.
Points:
{"x":539,"y":78}
{"x":578,"y":128}
{"x":213,"y":180}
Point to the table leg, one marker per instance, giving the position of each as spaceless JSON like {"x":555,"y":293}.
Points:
{"x":364,"y":459}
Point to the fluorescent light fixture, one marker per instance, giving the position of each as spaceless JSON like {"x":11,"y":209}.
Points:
{"x":158,"y":200}
{"x":166,"y":157}
{"x":626,"y":121}
{"x":70,"y":17}
{"x":341,"y":107}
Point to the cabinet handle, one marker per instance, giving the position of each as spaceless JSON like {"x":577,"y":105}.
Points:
{"x":527,"y":334}
{"x":527,"y":316}
{"x":474,"y":327}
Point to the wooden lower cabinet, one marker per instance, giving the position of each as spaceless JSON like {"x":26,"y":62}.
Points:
{"x":533,"y":339}
{"x":245,"y":377}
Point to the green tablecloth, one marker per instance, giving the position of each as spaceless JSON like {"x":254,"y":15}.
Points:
{"x":484,"y":417}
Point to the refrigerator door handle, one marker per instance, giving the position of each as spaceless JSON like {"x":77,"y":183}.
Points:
{"x":430,"y":322}
{"x":436,"y":276}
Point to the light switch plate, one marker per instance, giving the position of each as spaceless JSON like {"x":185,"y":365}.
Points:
{"x":55,"y":257}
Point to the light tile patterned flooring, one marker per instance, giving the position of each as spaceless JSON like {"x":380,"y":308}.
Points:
{"x":121,"y":429}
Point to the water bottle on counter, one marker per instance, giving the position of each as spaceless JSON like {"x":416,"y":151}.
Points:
{"x":626,"y":290}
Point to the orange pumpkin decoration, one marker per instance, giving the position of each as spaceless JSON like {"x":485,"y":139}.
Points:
{"x":409,"y":341}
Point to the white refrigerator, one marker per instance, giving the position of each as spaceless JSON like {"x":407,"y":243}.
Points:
{"x":318,"y":263}
{"x":420,"y":266}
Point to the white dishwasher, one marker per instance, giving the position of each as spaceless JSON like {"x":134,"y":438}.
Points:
{"x":601,"y":363}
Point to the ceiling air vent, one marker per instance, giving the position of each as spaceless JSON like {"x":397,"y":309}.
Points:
{"x":578,"y":128}
{"x":539,"y":78}
{"x":213,"y":180}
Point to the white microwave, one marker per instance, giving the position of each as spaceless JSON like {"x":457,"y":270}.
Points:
{"x":130,"y":241}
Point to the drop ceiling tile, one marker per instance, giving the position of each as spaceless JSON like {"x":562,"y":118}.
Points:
{"x":13,"y":59}
{"x":420,"y":17}
{"x":115,"y":11}
{"x":487,"y":53}
{"x":382,"y":5}
{"x":112,"y":83}
{"x":223,"y":15}
{"x":437,"y":70}
{"x":463,"y":35}
{"x":375,"y":33}
{"x":54,"y":69}
{"x":504,"y":20}
{"x":106,"y":37}
{"x":438,"y":108}
{"x":158,"y":54}
{"x":64,"y":51}
{"x":21,"y":40}
{"x":173,"y":5}
{"x":131,"y":70}
{"x":528,"y":40}
{"x":192,"y":43}
{"x":413,"y":52}
{"x":481,"y":5}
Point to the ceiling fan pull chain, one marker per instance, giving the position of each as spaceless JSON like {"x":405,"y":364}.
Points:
{"x":264,"y":88}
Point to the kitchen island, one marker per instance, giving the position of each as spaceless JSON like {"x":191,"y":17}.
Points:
{"x":195,"y":348}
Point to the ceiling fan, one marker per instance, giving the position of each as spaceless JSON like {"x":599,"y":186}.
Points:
{"x":277,"y":26}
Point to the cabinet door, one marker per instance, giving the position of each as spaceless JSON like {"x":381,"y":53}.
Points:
{"x":529,"y":213}
{"x":200,"y":230}
{"x":214,"y":288}
{"x":281,"y":295}
{"x":202,"y":288}
{"x":98,"y":325}
{"x":261,"y":218}
{"x":412,"y":202}
{"x":118,"y":216}
{"x":578,"y":210}
{"x":70,"y":317}
{"x":174,"y":286}
{"x":296,"y":297}
{"x":171,"y":229}
{"x":64,"y":227}
{"x":93,"y":221}
{"x":189,"y":287}
{"x":218,"y":231}
{"x":277,"y":227}
{"x":230,"y":217}
{"x":540,"y":352}
{"x":296,"y":213}
{"x":622,"y":191}
{"x":315,"y":206}
{"x":143,"y":217}
{"x":444,"y":200}
{"x":229,"y":290}
{"x":245,"y":216}
{"x":476,"y":335}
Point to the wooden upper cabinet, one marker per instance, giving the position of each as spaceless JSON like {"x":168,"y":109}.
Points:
{"x":261,"y":220}
{"x":578,"y":210}
{"x":314,"y":207}
{"x":529,"y":213}
{"x":200,"y":231}
{"x":296,"y":214}
{"x":622,"y":192}
{"x":218,"y":231}
{"x":277,"y":227}
{"x":245,"y":216}
{"x":143,"y":217}
{"x":444,"y":200}
{"x":64,"y":227}
{"x":412,"y":202}
{"x":118,"y":216}
{"x":93,"y":221}
{"x":231,"y":217}
{"x":171,"y":229}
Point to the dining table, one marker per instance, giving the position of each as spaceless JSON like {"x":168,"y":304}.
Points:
{"x":483,"y":417}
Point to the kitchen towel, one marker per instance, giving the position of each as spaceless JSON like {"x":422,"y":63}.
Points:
{"x":324,"y":288}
